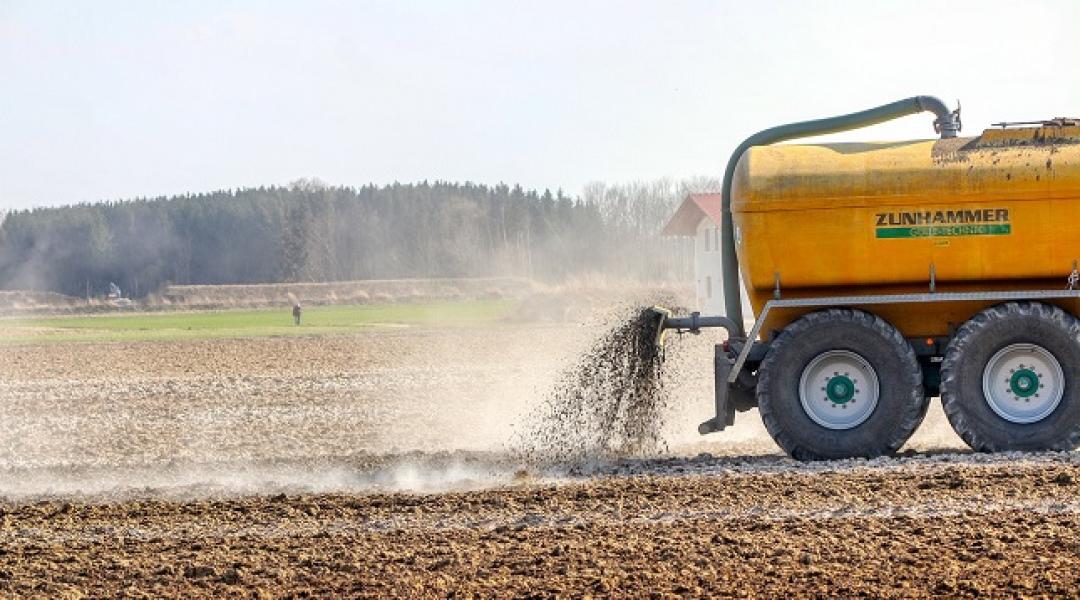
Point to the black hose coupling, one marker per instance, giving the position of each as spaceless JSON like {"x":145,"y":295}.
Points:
{"x":947,"y":124}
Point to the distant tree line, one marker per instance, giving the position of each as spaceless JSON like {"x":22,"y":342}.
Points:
{"x":308,"y":231}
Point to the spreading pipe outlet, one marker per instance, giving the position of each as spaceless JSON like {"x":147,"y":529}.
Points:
{"x":947,"y":124}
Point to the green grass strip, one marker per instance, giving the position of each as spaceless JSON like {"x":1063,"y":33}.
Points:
{"x":181,"y":325}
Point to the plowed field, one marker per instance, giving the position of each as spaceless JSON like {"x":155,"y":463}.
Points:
{"x":377,"y":464}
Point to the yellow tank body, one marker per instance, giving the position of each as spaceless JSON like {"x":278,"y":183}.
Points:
{"x":996,"y":212}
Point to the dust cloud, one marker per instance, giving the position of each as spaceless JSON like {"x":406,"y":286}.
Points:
{"x":418,"y":409}
{"x":412,"y":473}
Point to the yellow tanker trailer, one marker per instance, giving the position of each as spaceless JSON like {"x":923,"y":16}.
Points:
{"x":882,"y":274}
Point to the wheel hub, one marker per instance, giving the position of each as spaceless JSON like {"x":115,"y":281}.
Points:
{"x":838,"y":389}
{"x":1023,"y":383}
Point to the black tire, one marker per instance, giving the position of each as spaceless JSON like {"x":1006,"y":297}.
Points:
{"x":901,"y":404}
{"x":974,"y":346}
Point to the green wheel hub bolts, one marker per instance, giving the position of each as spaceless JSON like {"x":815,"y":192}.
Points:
{"x":840,"y":389}
{"x":1024,"y":383}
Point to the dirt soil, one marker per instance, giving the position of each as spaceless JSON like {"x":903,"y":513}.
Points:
{"x":377,"y":465}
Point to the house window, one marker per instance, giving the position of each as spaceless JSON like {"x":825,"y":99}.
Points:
{"x":708,"y":287}
{"x":710,"y":238}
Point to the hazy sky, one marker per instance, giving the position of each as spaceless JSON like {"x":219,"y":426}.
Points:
{"x":107,"y":100}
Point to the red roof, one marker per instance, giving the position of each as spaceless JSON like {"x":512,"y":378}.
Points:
{"x":696,"y":206}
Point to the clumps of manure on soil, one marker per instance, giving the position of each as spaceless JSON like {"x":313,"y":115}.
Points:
{"x":609,"y":405}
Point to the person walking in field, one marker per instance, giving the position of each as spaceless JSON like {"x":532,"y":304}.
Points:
{"x":296,"y":310}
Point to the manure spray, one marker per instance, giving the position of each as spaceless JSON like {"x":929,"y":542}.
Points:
{"x":610,"y":404}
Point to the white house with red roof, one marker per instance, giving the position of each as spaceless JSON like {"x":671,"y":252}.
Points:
{"x":699,"y":216}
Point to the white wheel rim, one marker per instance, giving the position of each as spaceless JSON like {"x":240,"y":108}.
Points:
{"x":838,"y":389}
{"x":1023,"y":383}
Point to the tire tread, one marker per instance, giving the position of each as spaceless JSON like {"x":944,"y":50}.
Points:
{"x":898,"y":436}
{"x":952,"y":404}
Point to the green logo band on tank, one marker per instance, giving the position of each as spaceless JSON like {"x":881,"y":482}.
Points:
{"x":942,"y":223}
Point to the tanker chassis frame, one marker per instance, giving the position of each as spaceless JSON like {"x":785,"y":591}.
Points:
{"x":736,"y":360}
